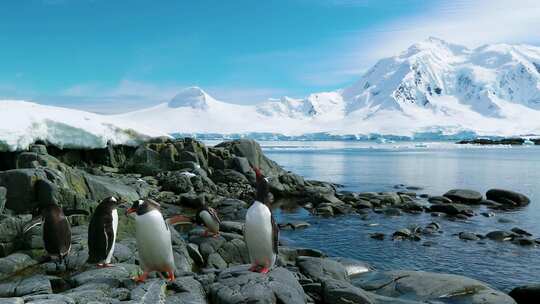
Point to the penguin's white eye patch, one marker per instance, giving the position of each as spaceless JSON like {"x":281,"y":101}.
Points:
{"x":114,"y":199}
{"x":267,"y":179}
{"x":141,"y":202}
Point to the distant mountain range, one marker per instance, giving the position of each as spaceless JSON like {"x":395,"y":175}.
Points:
{"x":432,"y":87}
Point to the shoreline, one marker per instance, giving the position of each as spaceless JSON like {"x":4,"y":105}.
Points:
{"x":224,"y":178}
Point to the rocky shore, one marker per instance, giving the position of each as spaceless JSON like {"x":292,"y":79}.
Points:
{"x":183,"y":174}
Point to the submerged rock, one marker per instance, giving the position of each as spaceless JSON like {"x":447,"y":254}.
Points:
{"x":507,"y":197}
{"x":464,"y":196}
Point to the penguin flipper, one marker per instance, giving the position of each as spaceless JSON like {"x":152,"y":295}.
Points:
{"x":275,"y":234}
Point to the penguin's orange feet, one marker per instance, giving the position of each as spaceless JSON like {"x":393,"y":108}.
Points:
{"x":170,"y":277}
{"x":264,"y":270}
{"x":254,"y":267}
{"x":141,"y":278}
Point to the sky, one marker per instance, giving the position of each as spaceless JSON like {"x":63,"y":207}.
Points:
{"x":116,"y":56}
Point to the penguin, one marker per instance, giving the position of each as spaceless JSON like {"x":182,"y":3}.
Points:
{"x":153,"y":237}
{"x":208,"y":217}
{"x":56,"y":230}
{"x":261,"y":232}
{"x":102,"y":232}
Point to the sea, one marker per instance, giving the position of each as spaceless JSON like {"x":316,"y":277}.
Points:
{"x":433,"y":168}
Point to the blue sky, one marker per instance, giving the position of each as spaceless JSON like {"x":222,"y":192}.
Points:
{"x":111,"y":56}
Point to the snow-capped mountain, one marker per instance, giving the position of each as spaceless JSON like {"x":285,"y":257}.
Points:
{"x":22,"y":123}
{"x":431,"y":86}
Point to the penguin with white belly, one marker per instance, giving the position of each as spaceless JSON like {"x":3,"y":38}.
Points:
{"x":102,"y":232}
{"x":153,"y":237}
{"x":261,"y":232}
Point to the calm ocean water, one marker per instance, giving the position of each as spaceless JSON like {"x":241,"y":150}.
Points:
{"x":436,"y":167}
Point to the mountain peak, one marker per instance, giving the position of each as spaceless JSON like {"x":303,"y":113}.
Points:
{"x":433,"y":44}
{"x":193,"y":97}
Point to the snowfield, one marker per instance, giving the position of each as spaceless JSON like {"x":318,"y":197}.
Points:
{"x":22,"y":123}
{"x":433,"y":87}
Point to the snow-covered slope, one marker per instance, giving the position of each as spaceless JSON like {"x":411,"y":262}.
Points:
{"x":433,"y":86}
{"x":22,"y":123}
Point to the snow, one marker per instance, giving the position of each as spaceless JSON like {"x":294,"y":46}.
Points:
{"x":22,"y":123}
{"x":433,"y":89}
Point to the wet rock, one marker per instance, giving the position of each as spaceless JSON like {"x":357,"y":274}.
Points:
{"x":325,"y":210}
{"x":439,"y":200}
{"x":452,"y":209}
{"x":520,"y":231}
{"x":294,"y":225}
{"x":378,"y":236}
{"x":402,"y":233}
{"x":464,"y":196}
{"x":33,"y":285}
{"x":524,"y":241}
{"x":392,"y":212}
{"x":342,"y":292}
{"x":505,"y":220}
{"x":425,"y":286}
{"x":499,"y":235}
{"x":238,"y":285}
{"x":319,"y":268}
{"x":507,"y":197}
{"x":528,"y":294}
{"x":14,"y":263}
{"x":353,"y":267}
{"x":468,"y":236}
{"x":488,"y":214}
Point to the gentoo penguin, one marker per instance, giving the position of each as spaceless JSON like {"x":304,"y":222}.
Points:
{"x":208,"y":217}
{"x":56,"y":230}
{"x":260,"y":230}
{"x":153,"y":238}
{"x":102,"y":232}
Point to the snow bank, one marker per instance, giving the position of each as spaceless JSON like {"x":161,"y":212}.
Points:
{"x":22,"y":123}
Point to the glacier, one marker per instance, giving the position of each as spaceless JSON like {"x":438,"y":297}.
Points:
{"x":434,"y":89}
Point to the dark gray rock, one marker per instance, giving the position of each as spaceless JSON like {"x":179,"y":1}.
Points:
{"x":425,"y":286}
{"x":342,"y":292}
{"x":152,"y":291}
{"x":237,"y":285}
{"x":3,"y":193}
{"x":526,"y":294}
{"x":520,"y":231}
{"x":112,"y":275}
{"x":33,"y":285}
{"x":464,"y":196}
{"x":377,"y":236}
{"x":468,"y":236}
{"x":353,"y":267}
{"x":49,"y":299}
{"x":439,"y":200}
{"x":499,"y":235}
{"x":320,"y":268}
{"x":507,"y":197}
{"x":230,"y":226}
{"x":186,"y":290}
{"x":14,"y":263}
{"x":21,"y":195}
{"x":452,"y":209}
{"x":176,"y":181}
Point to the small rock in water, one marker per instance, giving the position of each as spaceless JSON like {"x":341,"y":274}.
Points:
{"x":468,"y":236}
{"x":520,"y":231}
{"x":429,"y":243}
{"x":439,"y":200}
{"x":377,"y":236}
{"x":464,"y":196}
{"x":488,"y":214}
{"x":505,"y":220}
{"x":499,"y":235}
{"x":508,"y":198}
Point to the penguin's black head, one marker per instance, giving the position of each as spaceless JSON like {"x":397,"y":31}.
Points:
{"x":262,"y":187}
{"x":143,"y":206}
{"x":111,"y":201}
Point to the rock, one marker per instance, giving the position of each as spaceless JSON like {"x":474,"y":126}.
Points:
{"x":289,"y":255}
{"x":499,"y":235}
{"x":402,"y":233}
{"x":33,"y":285}
{"x":193,"y":250}
{"x":230,"y":226}
{"x":3,"y":192}
{"x":294,"y":225}
{"x":430,"y":287}
{"x":21,"y":195}
{"x":325,"y":210}
{"x":526,"y":294}
{"x":14,"y":263}
{"x":378,"y":236}
{"x":48,"y":299}
{"x":468,"y":236}
{"x":101,"y":187}
{"x":524,"y":241}
{"x":215,"y":260}
{"x":11,"y":228}
{"x":488,"y":214}
{"x":187,"y":290}
{"x":464,"y":196}
{"x":439,"y":200}
{"x":508,"y":198}
{"x":112,"y":275}
{"x":229,"y":176}
{"x":342,"y":292}
{"x":237,"y":285}
{"x":520,"y":231}
{"x":152,"y":291}
{"x":175,"y":181}
{"x":392,"y":212}
{"x":505,"y":220}
{"x":319,"y":268}
{"x":353,"y":267}
{"x":452,"y":209}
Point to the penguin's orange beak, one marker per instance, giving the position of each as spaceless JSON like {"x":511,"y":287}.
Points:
{"x":130,"y":210}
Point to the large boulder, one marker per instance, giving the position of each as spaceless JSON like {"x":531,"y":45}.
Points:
{"x":464,"y":196}
{"x":529,"y":294}
{"x":238,"y":285}
{"x":318,"y":269}
{"x":507,"y":198}
{"x":452,"y":209}
{"x":14,"y":263}
{"x":21,"y":194}
{"x":251,"y":150}
{"x":342,"y":292}
{"x":427,"y":286}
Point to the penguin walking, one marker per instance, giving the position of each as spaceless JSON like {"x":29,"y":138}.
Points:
{"x":102,"y":232}
{"x":261,"y":232}
{"x":208,"y":217}
{"x":56,"y":231}
{"x":153,"y":238}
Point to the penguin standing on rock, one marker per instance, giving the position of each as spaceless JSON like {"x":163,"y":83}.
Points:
{"x":261,"y":232}
{"x":153,"y":238}
{"x":102,"y":232}
{"x":56,"y":231}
